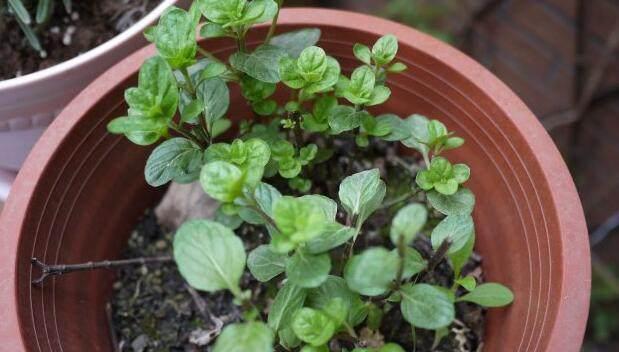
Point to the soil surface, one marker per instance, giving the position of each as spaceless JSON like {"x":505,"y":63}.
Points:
{"x":154,"y":309}
{"x":66,"y":35}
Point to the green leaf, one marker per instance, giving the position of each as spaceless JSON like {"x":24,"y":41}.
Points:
{"x":294,"y":42}
{"x":176,"y":158}
{"x":175,"y":38}
{"x":455,"y":228}
{"x":288,"y":301}
{"x":417,"y":128}
{"x":459,"y":258}
{"x":255,"y":90}
{"x":222,"y":11}
{"x":262,"y":64}
{"x":334,"y":235}
{"x":328,"y":80}
{"x":335,"y":288}
{"x":408,"y":222}
{"x":288,"y":339}
{"x":219,"y":127}
{"x":391,"y":347}
{"x":468,"y":282}
{"x":361,"y":86}
{"x":380,"y":94}
{"x":209,"y":256}
{"x":460,"y":203}
{"x":358,"y":193}
{"x":327,"y":205}
{"x":308,"y":270}
{"x":189,"y":108}
{"x":309,"y":348}
{"x":371,"y":272}
{"x":489,"y":295}
{"x":299,"y":221}
{"x":344,"y":118}
{"x":266,"y":196}
{"x":442,"y":176}
{"x":413,"y":262}
{"x":307,"y":153}
{"x":397,"y":67}
{"x":213,"y":30}
{"x":363,"y":53}
{"x":313,"y":326}
{"x":265,"y":264}
{"x":140,"y":131}
{"x":17,"y":6}
{"x":426,"y":306}
{"x":222,"y":180}
{"x":398,"y":129}
{"x":213,"y":69}
{"x":258,"y":11}
{"x":243,"y":337}
{"x":44,"y":10}
{"x":215,"y":98}
{"x":385,"y":49}
{"x":232,"y":221}
{"x":312,"y":64}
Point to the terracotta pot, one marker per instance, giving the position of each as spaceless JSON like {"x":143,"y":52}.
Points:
{"x":29,"y":103}
{"x":81,"y":190}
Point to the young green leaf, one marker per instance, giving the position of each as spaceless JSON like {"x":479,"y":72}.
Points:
{"x":243,"y":337}
{"x":310,"y":348}
{"x":334,"y":235}
{"x":361,"y":85}
{"x":288,"y":339}
{"x":313,"y":326}
{"x":413,"y":262}
{"x":265,"y":264}
{"x":298,"y":220}
{"x":459,"y":258}
{"x":417,"y":128}
{"x":308,"y":270}
{"x":335,"y":287}
{"x":363,"y":53}
{"x":385,"y":49}
{"x":209,"y":256}
{"x":175,"y":159}
{"x":442,"y":176}
{"x":362,"y":193}
{"x":222,"y":180}
{"x":457,"y":229}
{"x":426,"y":306}
{"x":213,"y":30}
{"x":344,"y":118}
{"x":288,"y":301}
{"x":214,"y":95}
{"x":312,"y":64}
{"x":141,"y":131}
{"x":468,"y":282}
{"x":222,"y":11}
{"x":489,"y":295}
{"x":460,"y":203}
{"x":397,"y":127}
{"x":371,"y":272}
{"x":294,"y":42}
{"x":262,"y":64}
{"x":175,"y":38}
{"x":408,"y":222}
{"x":397,"y":67}
{"x":266,"y":196}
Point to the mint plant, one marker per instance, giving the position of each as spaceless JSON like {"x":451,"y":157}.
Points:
{"x":266,"y":174}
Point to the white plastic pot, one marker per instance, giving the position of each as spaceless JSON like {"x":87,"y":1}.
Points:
{"x":29,"y":103}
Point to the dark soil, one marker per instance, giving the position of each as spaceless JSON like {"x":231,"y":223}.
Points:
{"x":154,"y":310}
{"x":65,"y":36}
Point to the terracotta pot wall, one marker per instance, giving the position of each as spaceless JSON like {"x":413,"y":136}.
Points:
{"x":82,"y":190}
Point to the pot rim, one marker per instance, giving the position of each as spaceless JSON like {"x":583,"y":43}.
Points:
{"x":90,"y":55}
{"x":568,"y":328}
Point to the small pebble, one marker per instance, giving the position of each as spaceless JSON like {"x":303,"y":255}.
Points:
{"x":161,"y":244}
{"x":75,"y":16}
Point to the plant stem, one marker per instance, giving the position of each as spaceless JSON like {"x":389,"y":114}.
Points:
{"x":187,"y":135}
{"x":60,"y":269}
{"x":208,"y":55}
{"x":401,"y":255}
{"x":188,"y":81}
{"x":273,"y":23}
{"x":438,"y":256}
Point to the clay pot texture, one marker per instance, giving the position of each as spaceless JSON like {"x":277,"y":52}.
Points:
{"x":81,"y":191}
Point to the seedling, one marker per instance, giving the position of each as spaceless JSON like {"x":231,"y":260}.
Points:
{"x":32,"y":16}
{"x":327,"y":285}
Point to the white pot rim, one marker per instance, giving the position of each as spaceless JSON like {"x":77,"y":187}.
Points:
{"x":91,"y":54}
